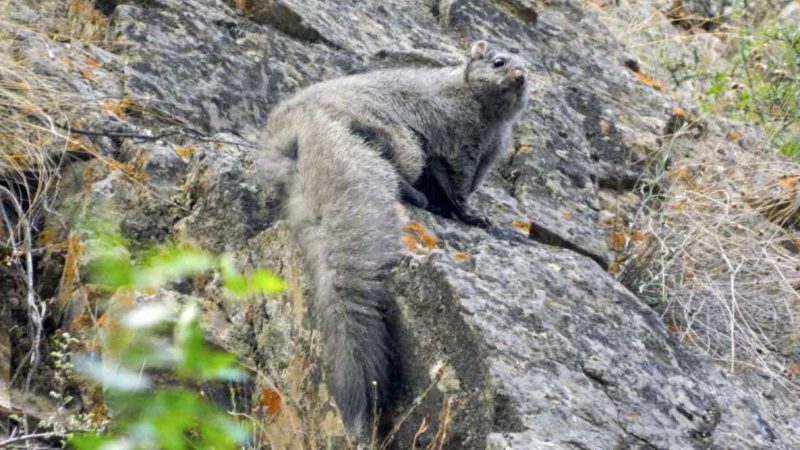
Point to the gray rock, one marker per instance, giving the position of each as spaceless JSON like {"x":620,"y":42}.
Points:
{"x":698,"y":14}
{"x":515,"y":343}
{"x":790,"y":14}
{"x":562,"y":356}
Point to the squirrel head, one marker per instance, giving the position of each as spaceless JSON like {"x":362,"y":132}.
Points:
{"x":498,"y":77}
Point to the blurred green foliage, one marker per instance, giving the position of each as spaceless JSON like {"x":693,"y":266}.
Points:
{"x":761,"y":83}
{"x":159,"y":337}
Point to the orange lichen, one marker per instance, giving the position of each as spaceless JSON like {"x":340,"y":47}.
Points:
{"x":91,"y":62}
{"x":650,"y":81}
{"x":68,"y":62}
{"x":186,"y":151}
{"x":48,"y":236}
{"x":679,"y":112}
{"x":135,"y":170}
{"x":681,"y":120}
{"x":98,"y":413}
{"x":789,"y":182}
{"x":522,"y":226}
{"x":411,"y":243}
{"x":617,"y":241}
{"x":88,"y":73}
{"x":460,"y":256}
{"x":417,"y":237}
{"x":523,"y":147}
{"x":270,"y":400}
{"x":119,"y":108}
{"x":108,"y":322}
{"x":688,"y":117}
{"x":70,"y":272}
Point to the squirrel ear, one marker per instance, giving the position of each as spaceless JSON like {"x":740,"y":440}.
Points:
{"x":479,"y":50}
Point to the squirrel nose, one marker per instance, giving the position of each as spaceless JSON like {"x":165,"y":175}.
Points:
{"x":517,"y":76}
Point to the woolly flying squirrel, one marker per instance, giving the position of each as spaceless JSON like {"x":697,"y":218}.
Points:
{"x":359,"y":143}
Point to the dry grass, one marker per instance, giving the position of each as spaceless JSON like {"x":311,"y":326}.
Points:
{"x":33,"y":143}
{"x":84,"y":22}
{"x":33,"y":148}
{"x":714,"y":246}
{"x":720,"y":258}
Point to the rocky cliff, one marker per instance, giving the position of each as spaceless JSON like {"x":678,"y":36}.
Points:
{"x":517,"y":340}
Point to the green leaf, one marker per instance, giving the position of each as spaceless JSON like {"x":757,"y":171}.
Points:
{"x":196,"y":361}
{"x":114,"y":378}
{"x":236,"y":285}
{"x":88,"y":441}
{"x":791,"y":149}
{"x":265,"y":282}
{"x":188,"y":335}
{"x":744,"y":100}
{"x":718,"y":85}
{"x":149,"y":315}
{"x":217,"y":366}
{"x":111,"y":271}
{"x":171,"y":264}
{"x":227,"y":266}
{"x":260,"y":282}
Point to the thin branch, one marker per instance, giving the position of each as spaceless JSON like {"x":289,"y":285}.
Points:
{"x":417,"y":401}
{"x":27,"y":437}
{"x":181,"y":131}
{"x":36,"y":311}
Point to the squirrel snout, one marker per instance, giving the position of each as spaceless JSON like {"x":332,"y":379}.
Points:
{"x":517,"y":76}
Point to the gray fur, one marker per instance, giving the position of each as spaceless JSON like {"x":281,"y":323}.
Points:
{"x":360,"y":142}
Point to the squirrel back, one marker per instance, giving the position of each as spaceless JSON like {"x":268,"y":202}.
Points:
{"x":360,"y":143}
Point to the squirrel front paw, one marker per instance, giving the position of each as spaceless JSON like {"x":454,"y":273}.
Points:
{"x":475,"y":220}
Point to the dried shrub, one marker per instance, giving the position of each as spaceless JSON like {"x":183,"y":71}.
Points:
{"x":721,"y":259}
{"x":84,"y":22}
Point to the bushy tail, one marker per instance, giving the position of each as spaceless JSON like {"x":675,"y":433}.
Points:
{"x":343,"y":211}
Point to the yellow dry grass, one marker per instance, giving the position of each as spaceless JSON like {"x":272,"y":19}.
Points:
{"x":719,"y":255}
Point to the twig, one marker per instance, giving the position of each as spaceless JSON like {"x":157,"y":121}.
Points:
{"x":423,"y":427}
{"x":36,"y":312}
{"x":182,"y":131}
{"x":444,"y":423}
{"x":417,"y":401}
{"x":27,"y":437}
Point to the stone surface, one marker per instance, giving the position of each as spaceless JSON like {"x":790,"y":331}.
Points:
{"x":518,"y":343}
{"x":563,"y":356}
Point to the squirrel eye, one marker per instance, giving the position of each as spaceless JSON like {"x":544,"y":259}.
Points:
{"x":499,"y":62}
